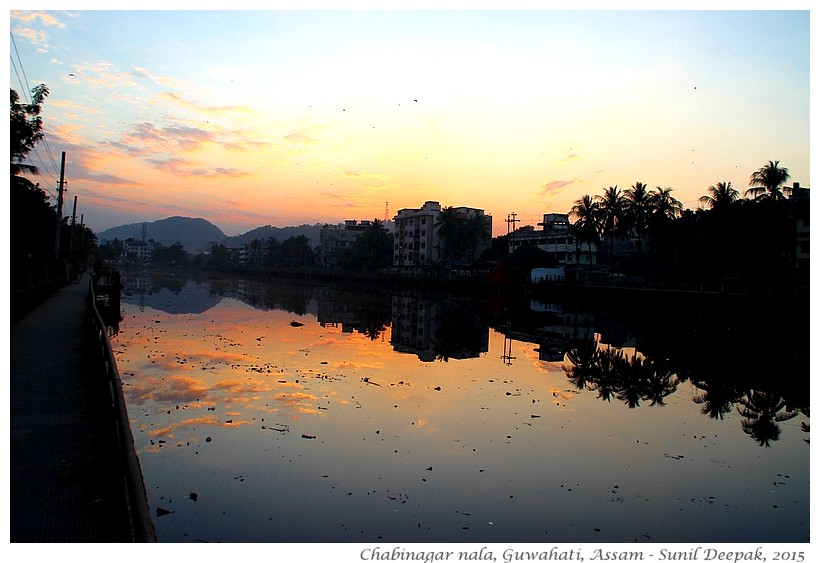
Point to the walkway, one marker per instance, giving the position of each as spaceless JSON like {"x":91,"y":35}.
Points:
{"x":66,"y":480}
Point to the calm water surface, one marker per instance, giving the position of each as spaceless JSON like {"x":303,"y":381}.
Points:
{"x":267,"y":412}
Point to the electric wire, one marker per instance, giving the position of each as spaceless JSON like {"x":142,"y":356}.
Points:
{"x":53,"y":171}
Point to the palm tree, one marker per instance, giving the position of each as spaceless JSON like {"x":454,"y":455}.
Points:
{"x":638,"y":209}
{"x":720,"y":196}
{"x":451,"y":233}
{"x":612,"y":208}
{"x":766,"y":182}
{"x":477,"y":231}
{"x":664,"y":206}
{"x":586,"y":226}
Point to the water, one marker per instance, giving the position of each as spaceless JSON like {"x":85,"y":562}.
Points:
{"x":273,"y":412}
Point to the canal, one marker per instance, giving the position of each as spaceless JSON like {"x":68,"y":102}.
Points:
{"x":268,"y":411}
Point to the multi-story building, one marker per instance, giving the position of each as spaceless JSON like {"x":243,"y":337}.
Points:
{"x":335,"y":238}
{"x":555,"y":237}
{"x":141,"y":249}
{"x":800,"y":199}
{"x":416,"y":241}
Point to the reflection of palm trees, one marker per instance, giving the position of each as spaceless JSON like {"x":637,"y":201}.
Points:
{"x":585,"y":359}
{"x":804,"y":426}
{"x":717,"y":398}
{"x":460,"y":333}
{"x":612,"y":373}
{"x":661,"y":383}
{"x":762,"y":412}
{"x":629,"y":374}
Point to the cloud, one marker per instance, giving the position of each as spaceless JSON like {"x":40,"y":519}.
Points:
{"x":364,"y":175}
{"x":300,"y":137}
{"x":44,"y":17}
{"x":554,"y":186}
{"x":100,"y":75}
{"x":34,"y":37}
{"x":145,"y":138}
{"x":109,"y":179}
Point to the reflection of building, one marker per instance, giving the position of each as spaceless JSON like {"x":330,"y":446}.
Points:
{"x":434,"y":329}
{"x":556,"y":238}
{"x":413,"y":324}
{"x":334,"y":239}
{"x":553,"y":330}
{"x":367,"y":313}
{"x":416,"y":240}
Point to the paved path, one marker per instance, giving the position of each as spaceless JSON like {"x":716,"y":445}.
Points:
{"x":66,"y":475}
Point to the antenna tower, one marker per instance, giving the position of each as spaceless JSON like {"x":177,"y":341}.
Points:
{"x":386,"y":211}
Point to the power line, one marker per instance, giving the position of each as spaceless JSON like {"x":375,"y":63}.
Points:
{"x":13,"y":42}
{"x":26,"y":90}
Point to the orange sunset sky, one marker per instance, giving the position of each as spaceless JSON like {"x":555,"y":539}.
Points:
{"x":284,"y":117}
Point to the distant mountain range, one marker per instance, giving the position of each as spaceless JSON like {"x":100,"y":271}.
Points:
{"x":196,"y":234}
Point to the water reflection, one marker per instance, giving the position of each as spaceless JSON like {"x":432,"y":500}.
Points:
{"x":441,"y":328}
{"x":301,"y":412}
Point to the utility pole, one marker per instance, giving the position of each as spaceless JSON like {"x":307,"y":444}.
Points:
{"x":59,"y":207}
{"x":73,"y":222}
{"x":511,"y":220}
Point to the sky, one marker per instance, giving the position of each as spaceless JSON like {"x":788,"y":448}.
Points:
{"x":285,"y":117}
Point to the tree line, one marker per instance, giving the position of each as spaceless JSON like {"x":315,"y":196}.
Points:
{"x":731,"y":236}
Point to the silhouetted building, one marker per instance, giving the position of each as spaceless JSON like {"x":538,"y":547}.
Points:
{"x":800,"y":197}
{"x":416,"y":238}
{"x":555,"y":237}
{"x":334,"y":239}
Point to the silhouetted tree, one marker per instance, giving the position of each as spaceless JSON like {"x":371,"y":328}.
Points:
{"x":639,"y":209}
{"x":586,"y":226}
{"x":663,"y":206}
{"x":26,"y":129}
{"x":612,"y":210}
{"x":767,"y":182}
{"x":720,"y":197}
{"x":450,"y":233}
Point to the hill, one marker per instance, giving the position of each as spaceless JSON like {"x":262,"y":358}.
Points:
{"x":279,"y":233}
{"x":194,"y":234}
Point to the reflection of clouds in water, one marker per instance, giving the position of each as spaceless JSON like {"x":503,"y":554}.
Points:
{"x":168,"y":431}
{"x":298,"y":402}
{"x":243,"y":385}
{"x":175,"y":389}
{"x":565,"y":394}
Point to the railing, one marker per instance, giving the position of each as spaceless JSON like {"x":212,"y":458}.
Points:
{"x":142,"y":527}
